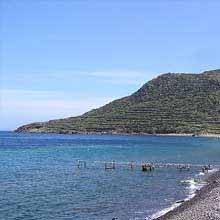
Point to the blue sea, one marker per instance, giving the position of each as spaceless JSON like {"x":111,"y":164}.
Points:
{"x":40,"y":179}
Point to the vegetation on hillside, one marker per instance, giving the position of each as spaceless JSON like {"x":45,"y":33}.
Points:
{"x":170,"y":103}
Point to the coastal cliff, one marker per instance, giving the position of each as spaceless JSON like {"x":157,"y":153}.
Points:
{"x":174,"y":103}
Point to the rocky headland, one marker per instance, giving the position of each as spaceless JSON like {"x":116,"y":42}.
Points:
{"x":172,"y":103}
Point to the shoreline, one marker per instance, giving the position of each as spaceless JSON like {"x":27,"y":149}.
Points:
{"x":205,"y":205}
{"x":191,"y":135}
{"x":208,"y":135}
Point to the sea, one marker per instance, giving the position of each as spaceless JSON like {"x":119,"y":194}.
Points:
{"x":41,"y":177}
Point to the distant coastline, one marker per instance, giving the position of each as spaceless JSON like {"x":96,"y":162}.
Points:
{"x":208,"y":135}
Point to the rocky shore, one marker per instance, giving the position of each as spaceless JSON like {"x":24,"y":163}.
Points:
{"x":204,"y":206}
{"x":30,"y":130}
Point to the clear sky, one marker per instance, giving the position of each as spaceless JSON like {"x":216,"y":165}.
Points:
{"x":63,"y":57}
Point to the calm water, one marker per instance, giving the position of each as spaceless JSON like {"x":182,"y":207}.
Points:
{"x":39,"y":178}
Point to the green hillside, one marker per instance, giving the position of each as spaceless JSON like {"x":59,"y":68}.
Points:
{"x":170,"y":103}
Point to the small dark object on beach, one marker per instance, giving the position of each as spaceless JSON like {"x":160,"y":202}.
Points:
{"x":114,"y":218}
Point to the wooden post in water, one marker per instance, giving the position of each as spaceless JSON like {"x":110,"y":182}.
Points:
{"x":131,"y":165}
{"x":81,"y":164}
{"x":113,"y":164}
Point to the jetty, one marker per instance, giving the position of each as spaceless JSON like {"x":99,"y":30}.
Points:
{"x":144,"y":165}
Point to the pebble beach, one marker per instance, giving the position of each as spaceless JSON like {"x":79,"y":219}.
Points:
{"x":204,"y":206}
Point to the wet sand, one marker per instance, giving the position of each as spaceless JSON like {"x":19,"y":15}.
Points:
{"x":204,"y":206}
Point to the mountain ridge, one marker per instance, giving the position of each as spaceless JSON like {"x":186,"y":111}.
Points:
{"x":170,"y":103}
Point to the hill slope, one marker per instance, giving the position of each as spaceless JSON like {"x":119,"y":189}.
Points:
{"x":170,"y":103}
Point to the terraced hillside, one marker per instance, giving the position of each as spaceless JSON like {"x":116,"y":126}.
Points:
{"x":170,"y":103}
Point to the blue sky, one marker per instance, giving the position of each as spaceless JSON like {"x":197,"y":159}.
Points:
{"x":62,"y":58}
